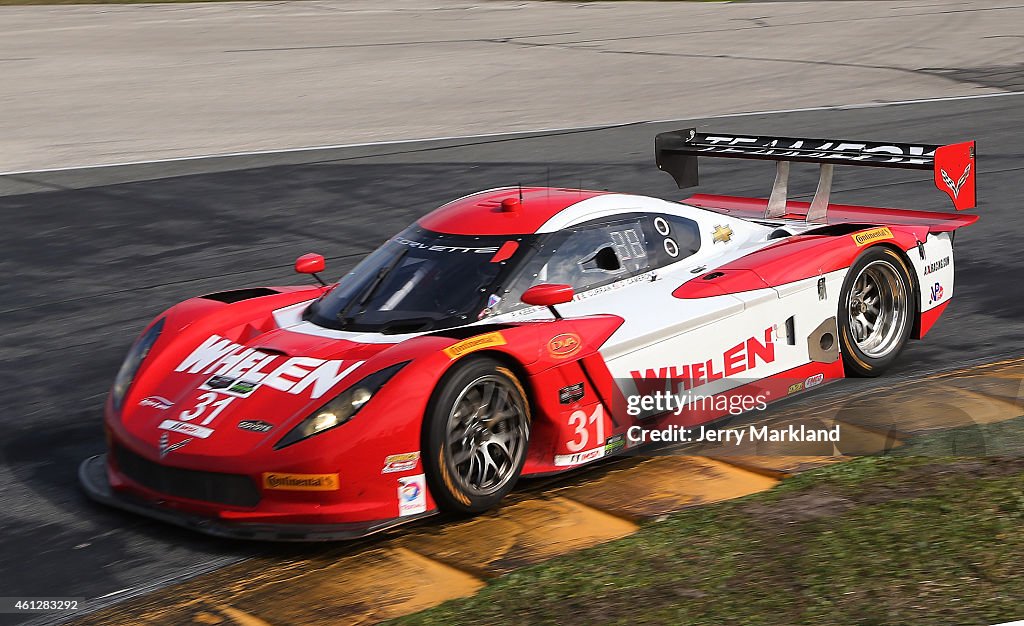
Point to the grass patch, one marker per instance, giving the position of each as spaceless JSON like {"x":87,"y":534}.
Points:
{"x":905,"y":538}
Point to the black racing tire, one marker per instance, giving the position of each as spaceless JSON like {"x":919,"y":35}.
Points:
{"x":475,"y":436}
{"x":877,"y":307}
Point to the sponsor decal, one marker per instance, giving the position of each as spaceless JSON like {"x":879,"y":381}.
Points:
{"x":300,"y":482}
{"x":936,"y":293}
{"x":218,"y":383}
{"x":256,"y":426}
{"x":936,"y":266}
{"x":237,"y":370}
{"x":473,"y":344}
{"x":412,"y":495}
{"x":832,"y":151}
{"x":570,"y":394}
{"x":814,"y":381}
{"x":243,"y":388}
{"x":200,"y":432}
{"x":614,"y":444}
{"x":870,"y":236}
{"x":742,"y":357}
{"x":721,"y":234}
{"x":795,"y":387}
{"x":566,"y":344}
{"x":166,"y":447}
{"x":439,"y":248}
{"x":576,"y":458}
{"x":230,"y":386}
{"x":955,"y":187}
{"x":400,"y":462}
{"x":157,"y":402}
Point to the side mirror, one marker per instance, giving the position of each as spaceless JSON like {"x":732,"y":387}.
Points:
{"x":548,"y":294}
{"x":311,"y":264}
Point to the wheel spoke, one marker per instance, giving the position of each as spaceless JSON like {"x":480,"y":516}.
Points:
{"x":474,"y":466}
{"x":864,"y":321}
{"x":486,"y":397}
{"x":462,"y":456}
{"x":497,"y":418}
{"x":502,"y":444}
{"x":487,"y":464}
{"x":501,"y":400}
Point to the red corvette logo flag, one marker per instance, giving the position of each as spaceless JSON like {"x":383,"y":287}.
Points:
{"x":955,"y":173}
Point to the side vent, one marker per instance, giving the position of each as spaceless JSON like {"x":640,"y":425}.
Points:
{"x":237,"y":295}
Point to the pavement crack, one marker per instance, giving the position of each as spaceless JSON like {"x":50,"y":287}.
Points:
{"x":384,"y":44}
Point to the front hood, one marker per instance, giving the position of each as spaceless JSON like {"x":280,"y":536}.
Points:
{"x":229,"y":391}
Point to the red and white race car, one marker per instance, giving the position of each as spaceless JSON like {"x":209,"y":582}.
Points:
{"x":516,"y":332}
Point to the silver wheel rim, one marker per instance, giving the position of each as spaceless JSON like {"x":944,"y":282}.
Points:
{"x":877,"y":307}
{"x":486,"y":435}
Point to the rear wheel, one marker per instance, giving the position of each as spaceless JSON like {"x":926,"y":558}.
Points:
{"x":876,"y":311}
{"x":476,"y":433}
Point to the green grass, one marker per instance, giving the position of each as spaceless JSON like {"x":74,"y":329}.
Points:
{"x":907,"y":538}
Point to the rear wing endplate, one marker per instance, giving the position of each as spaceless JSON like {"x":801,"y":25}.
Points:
{"x":953,"y":165}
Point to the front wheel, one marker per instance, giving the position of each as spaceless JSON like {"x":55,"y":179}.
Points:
{"x":475,"y":436}
{"x":876,"y":311}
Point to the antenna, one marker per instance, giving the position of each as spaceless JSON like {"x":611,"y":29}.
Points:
{"x":520,"y":192}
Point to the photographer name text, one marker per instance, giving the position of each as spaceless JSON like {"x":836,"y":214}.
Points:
{"x":737,"y":436}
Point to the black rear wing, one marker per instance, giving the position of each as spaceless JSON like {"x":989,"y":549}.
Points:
{"x":953,"y":165}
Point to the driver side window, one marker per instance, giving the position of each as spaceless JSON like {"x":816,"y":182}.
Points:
{"x":589,"y":257}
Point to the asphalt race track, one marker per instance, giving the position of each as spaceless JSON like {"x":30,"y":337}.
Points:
{"x":91,"y":255}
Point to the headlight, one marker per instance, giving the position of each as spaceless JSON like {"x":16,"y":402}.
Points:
{"x":341,"y":408}
{"x":131,"y":364}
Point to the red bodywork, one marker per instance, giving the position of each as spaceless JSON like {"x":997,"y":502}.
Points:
{"x":549,"y":356}
{"x":390,"y":424}
{"x":510,"y":211}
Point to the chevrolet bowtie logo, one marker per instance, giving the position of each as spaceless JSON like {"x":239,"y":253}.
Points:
{"x":955,"y":187}
{"x":721,"y":234}
{"x":166,"y":447}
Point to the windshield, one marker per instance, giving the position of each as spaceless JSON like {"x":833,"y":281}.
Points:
{"x":418,"y":281}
